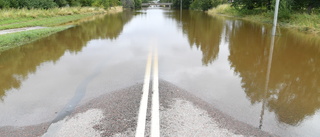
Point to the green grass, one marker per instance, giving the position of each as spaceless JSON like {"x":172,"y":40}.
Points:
{"x":38,"y":13}
{"x":45,"y":22}
{"x":20,"y":38}
{"x":298,"y":21}
{"x":55,"y":19}
{"x":19,"y":18}
{"x":12,"y":20}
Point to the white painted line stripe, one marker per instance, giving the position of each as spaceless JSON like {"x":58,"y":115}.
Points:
{"x":155,"y":117}
{"x":141,"y":125}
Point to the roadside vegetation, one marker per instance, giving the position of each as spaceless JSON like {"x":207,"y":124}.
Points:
{"x":303,"y":22}
{"x":19,"y":18}
{"x":302,"y":15}
{"x":48,"y":4}
{"x":304,"y":19}
{"x":12,"y":40}
{"x":54,"y":15}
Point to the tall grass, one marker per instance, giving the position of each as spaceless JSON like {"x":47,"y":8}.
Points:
{"x":47,"y":22}
{"x":223,"y":9}
{"x":306,"y":22}
{"x":36,"y":13}
{"x":55,"y":20}
{"x":18,"y":18}
{"x":299,"y":21}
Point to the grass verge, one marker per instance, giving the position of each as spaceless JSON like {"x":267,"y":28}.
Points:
{"x":298,"y":21}
{"x":47,"y":22}
{"x":16,"y":39}
{"x":55,"y":20}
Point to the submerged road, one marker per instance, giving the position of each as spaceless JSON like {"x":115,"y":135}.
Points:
{"x":153,"y":108}
{"x":160,"y":72}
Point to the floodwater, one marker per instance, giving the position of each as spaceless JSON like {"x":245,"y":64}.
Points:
{"x":271,"y":83}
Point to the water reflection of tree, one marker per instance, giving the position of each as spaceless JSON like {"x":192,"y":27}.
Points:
{"x":293,"y":89}
{"x":16,"y":64}
{"x":203,"y":32}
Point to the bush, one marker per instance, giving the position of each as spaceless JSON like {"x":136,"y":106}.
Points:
{"x":46,"y":4}
{"x":285,"y":9}
{"x":185,"y":4}
{"x":41,"y":4}
{"x":74,"y":3}
{"x":4,"y":4}
{"x":30,"y":4}
{"x":61,"y":3}
{"x":201,"y":5}
{"x":137,"y":4}
{"x":128,"y":4}
{"x":216,"y":3}
{"x":86,"y":2}
{"x":105,"y":3}
{"x":205,"y":5}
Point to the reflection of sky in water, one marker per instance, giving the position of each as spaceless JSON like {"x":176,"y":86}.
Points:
{"x":218,"y":83}
{"x":220,"y":60}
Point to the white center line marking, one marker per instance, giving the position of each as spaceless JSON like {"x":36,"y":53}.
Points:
{"x":155,"y":117}
{"x":144,"y":100}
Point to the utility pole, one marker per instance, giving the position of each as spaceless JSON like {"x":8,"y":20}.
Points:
{"x":275,"y":19}
{"x":181,"y":10}
{"x":181,"y":5}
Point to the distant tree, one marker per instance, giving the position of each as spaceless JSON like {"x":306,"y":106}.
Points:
{"x":74,"y":3}
{"x":185,"y":4}
{"x":86,"y":2}
{"x":42,"y":4}
{"x":146,"y":1}
{"x":137,"y":4}
{"x":4,"y":4}
{"x":105,"y":3}
{"x":287,"y":5}
{"x":165,"y":1}
{"x":305,"y":5}
{"x":201,"y":5}
{"x":61,"y":3}
{"x":128,"y":4}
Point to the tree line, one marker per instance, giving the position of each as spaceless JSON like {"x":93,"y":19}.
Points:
{"x":285,"y":5}
{"x":47,"y":4}
{"x":300,"y":5}
{"x":250,"y":6}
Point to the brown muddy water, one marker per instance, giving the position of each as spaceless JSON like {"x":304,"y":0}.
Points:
{"x":271,"y":84}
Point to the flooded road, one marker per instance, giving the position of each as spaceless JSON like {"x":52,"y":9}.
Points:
{"x":232,"y":64}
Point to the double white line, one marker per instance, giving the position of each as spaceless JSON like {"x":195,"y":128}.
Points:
{"x":155,"y":121}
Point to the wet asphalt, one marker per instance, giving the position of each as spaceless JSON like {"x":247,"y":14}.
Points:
{"x":120,"y":109}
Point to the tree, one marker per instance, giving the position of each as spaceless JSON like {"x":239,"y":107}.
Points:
{"x":86,"y":2}
{"x":42,"y":4}
{"x":137,"y":4}
{"x":4,"y":4}
{"x":61,"y":3}
{"x":201,"y":5}
{"x":307,"y":5}
{"x":74,"y":3}
{"x":185,"y":4}
{"x":128,"y":4}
